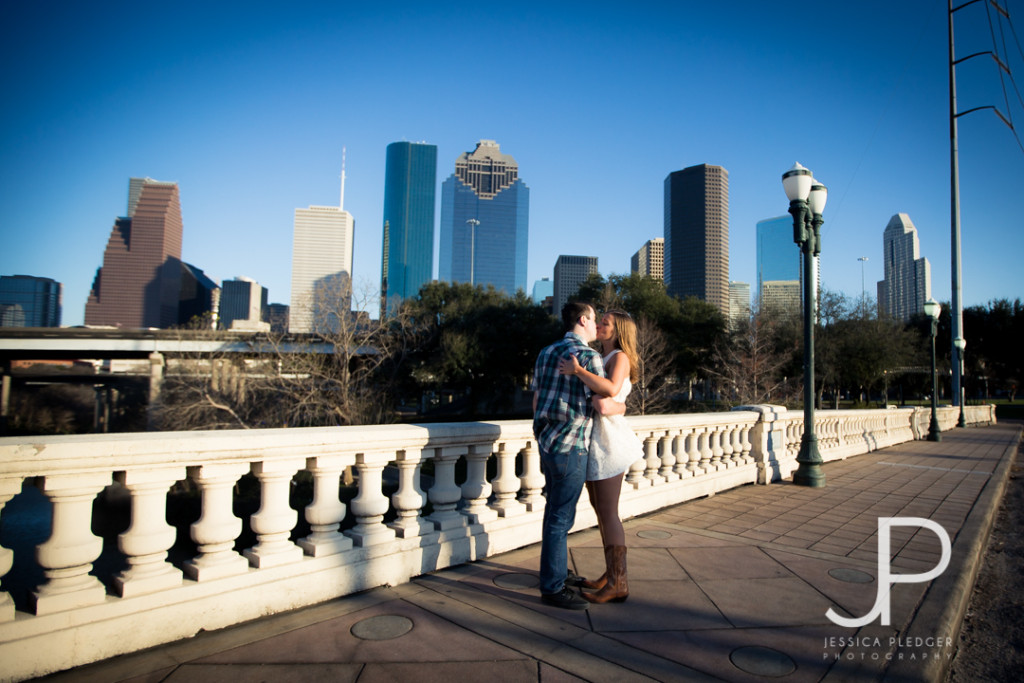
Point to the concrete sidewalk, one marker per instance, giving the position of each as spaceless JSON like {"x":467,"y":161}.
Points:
{"x":735,"y":587}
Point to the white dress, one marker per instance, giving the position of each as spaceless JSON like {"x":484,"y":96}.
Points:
{"x":613,"y":445}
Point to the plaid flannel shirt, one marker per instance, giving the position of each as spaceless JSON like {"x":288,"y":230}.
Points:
{"x":562,"y":419}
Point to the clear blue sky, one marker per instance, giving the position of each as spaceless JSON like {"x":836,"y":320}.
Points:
{"x":248,"y":106}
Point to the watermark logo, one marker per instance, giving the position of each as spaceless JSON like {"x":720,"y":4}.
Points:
{"x":886,"y":579}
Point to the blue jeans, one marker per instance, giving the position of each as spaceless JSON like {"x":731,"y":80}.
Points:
{"x":564,"y":474}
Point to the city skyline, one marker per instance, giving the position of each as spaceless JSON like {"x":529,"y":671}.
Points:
{"x":249,"y":111}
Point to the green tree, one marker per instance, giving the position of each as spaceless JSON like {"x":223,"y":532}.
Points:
{"x":479,"y":340}
{"x":691,"y":327}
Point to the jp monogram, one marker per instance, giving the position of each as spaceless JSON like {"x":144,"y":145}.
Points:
{"x":886,"y":579}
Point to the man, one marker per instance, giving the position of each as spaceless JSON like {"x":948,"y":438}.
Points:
{"x":562,"y":423}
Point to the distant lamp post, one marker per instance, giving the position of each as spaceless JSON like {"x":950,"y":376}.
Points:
{"x":863,"y":291}
{"x":472,"y":223}
{"x":960,"y":344}
{"x":932,"y":309}
{"x":806,"y":203}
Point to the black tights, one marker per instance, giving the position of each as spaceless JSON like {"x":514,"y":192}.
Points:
{"x":604,"y":497}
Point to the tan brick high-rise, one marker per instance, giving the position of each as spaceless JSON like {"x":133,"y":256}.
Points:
{"x":697,"y":234}
{"x":139,"y":283}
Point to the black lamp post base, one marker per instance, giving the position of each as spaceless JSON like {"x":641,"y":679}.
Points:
{"x":809,"y":473}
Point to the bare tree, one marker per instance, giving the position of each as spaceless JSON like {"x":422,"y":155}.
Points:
{"x":656,"y":381}
{"x":341,"y":374}
{"x":750,"y":365}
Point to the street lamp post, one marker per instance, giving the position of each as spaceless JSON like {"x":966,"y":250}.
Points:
{"x":960,"y":344}
{"x":932,"y":309}
{"x":863,"y":291}
{"x":806,"y":204}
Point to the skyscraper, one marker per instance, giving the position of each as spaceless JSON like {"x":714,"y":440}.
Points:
{"x":697,"y":234}
{"x":485,"y":220}
{"x":544,"y":294}
{"x":243,"y":300}
{"x":199,"y":299}
{"x":778,"y":257}
{"x":139,"y":283}
{"x":570,"y":273}
{"x":781,"y":297}
{"x":410,"y":178}
{"x":907,"y":284}
{"x":649,"y":260}
{"x":321,"y":265}
{"x":739,"y":303}
{"x":27,"y":301}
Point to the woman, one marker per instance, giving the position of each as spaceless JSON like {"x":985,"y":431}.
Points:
{"x":613,"y":448}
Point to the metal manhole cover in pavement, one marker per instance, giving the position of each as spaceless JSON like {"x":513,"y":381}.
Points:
{"x":654,"y":534}
{"x":762,"y":661}
{"x":850,"y":575}
{"x":384,"y":627}
{"x":515,"y":581}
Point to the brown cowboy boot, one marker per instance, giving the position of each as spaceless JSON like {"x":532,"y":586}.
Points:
{"x":595,"y":585}
{"x":617,"y":588}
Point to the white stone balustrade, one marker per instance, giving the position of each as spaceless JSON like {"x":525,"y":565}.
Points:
{"x":8,"y":489}
{"x":351,"y":547}
{"x":370,"y":506}
{"x":147,"y":540}
{"x":67,"y":556}
{"x":275,"y":519}
{"x":409,"y":500}
{"x":216,"y":530}
{"x":326,"y":511}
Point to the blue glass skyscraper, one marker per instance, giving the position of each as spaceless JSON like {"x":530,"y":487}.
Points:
{"x":485,"y":220}
{"x":27,"y":301}
{"x":410,"y":179}
{"x":778,"y":257}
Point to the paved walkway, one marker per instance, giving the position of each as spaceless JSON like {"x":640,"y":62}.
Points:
{"x":729,"y":588}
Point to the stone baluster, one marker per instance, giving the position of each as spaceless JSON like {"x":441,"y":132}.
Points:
{"x":635,"y":474}
{"x":274,"y":521}
{"x":9,"y":488}
{"x":715,"y":443}
{"x":668,"y":457}
{"x":370,"y":504}
{"x":704,"y":446}
{"x":476,"y":490}
{"x":736,"y":436}
{"x":725,"y":443}
{"x":145,"y":543}
{"x":532,"y":479}
{"x":748,"y":447}
{"x":679,"y":448}
{"x":67,"y":556}
{"x":693,"y":452}
{"x":409,"y":499}
{"x":326,"y":511}
{"x":505,"y":483}
{"x":795,"y":432}
{"x":444,"y":495}
{"x":652,"y":463}
{"x":217,"y":527}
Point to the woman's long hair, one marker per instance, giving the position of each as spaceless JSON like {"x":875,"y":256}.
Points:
{"x":625,"y":335}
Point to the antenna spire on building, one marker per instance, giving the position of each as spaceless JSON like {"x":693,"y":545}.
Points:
{"x":341,"y":204}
